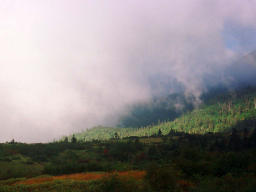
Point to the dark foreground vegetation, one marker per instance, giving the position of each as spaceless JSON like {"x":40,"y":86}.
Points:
{"x":176,"y":162}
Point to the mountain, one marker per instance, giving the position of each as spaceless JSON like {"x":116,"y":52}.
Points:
{"x":227,"y":104}
{"x":220,"y":113}
{"x":165,"y":108}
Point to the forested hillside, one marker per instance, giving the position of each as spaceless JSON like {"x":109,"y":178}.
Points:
{"x":220,"y":112}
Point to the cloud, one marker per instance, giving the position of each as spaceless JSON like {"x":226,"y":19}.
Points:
{"x":68,"y":65}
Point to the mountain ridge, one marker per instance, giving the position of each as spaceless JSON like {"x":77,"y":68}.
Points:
{"x":220,"y":113}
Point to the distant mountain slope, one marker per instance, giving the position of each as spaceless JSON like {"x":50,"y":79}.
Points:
{"x":243,"y":71}
{"x":220,"y":113}
{"x":167,"y":107}
{"x":159,"y":109}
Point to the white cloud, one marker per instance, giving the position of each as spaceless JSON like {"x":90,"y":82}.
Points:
{"x":68,"y":65}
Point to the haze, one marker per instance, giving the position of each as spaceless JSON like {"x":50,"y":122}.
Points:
{"x":69,"y":65}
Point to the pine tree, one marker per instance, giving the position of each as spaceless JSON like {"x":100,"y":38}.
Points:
{"x":159,"y":133}
{"x":66,"y":140}
{"x":116,"y":136}
{"x":73,"y":139}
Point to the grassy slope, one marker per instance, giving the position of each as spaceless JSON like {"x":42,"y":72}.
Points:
{"x":220,"y":113}
{"x":18,"y":165}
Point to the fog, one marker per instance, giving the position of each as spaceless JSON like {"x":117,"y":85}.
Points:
{"x":69,"y":65}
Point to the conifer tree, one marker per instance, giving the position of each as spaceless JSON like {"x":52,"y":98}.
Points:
{"x":73,"y":139}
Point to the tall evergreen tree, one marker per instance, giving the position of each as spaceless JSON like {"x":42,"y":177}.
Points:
{"x":73,"y":139}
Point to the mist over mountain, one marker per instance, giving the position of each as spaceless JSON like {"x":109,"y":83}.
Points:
{"x":243,"y":71}
{"x":67,"y":66}
{"x":171,"y":100}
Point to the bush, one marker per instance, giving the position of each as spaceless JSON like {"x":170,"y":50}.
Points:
{"x":115,"y":183}
{"x":161,"y":178}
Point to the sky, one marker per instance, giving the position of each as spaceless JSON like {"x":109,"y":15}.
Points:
{"x":69,"y":65}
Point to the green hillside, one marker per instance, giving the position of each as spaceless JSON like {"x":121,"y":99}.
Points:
{"x":219,"y":113}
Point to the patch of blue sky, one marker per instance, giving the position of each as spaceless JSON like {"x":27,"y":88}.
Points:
{"x":239,"y":38}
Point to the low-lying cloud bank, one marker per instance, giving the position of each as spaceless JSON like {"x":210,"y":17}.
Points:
{"x":69,"y":65}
